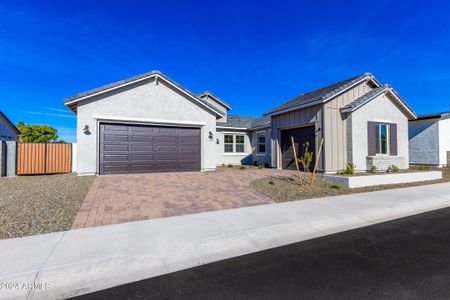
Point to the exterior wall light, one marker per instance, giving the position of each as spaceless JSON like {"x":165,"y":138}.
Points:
{"x":211,"y":135}
{"x":86,"y":130}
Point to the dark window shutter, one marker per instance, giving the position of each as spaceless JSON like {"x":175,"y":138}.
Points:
{"x":393,"y":138}
{"x":371,"y":138}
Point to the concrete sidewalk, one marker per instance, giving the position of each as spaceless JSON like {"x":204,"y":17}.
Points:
{"x":76,"y":262}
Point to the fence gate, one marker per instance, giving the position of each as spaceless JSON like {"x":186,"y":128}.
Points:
{"x":40,"y":158}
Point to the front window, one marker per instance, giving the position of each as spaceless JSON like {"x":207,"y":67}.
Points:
{"x":234,"y":143}
{"x":239,"y":143}
{"x":383,"y":139}
{"x":261,"y":143}
{"x":228,"y":142}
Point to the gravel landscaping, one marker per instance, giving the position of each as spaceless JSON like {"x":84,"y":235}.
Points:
{"x":40,"y":204}
{"x":287,"y":188}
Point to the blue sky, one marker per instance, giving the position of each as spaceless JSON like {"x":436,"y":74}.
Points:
{"x":253,"y":54}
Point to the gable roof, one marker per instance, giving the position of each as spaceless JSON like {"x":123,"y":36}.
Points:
{"x":322,"y":95}
{"x":245,"y":122}
{"x":121,"y":83}
{"x":440,"y":115}
{"x":9,"y":123}
{"x":369,"y":96}
{"x":217,"y":99}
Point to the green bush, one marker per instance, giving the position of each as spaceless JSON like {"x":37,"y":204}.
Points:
{"x":373,"y":169}
{"x":230,"y":165}
{"x":260,"y":166}
{"x":393,"y":169}
{"x":242,"y":167}
{"x":335,"y":186}
{"x":272,"y":182}
{"x":424,"y":168}
{"x":349,"y":169}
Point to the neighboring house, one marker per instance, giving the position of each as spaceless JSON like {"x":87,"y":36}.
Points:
{"x":429,"y":140}
{"x":150,"y":123}
{"x":8,"y":132}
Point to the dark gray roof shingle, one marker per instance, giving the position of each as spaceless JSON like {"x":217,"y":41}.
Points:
{"x":320,"y":94}
{"x":245,"y":122}
{"x":141,"y":76}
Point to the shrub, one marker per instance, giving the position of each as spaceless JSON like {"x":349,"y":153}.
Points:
{"x":260,"y":166}
{"x":349,"y":169}
{"x":335,"y":186}
{"x":223,"y":165}
{"x":393,"y":169}
{"x":373,"y":169}
{"x":272,"y":182}
{"x":424,"y":168}
{"x":242,"y":167}
{"x":230,"y":165}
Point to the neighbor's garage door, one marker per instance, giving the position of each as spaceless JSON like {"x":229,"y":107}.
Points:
{"x":138,"y":149}
{"x":301,"y":136}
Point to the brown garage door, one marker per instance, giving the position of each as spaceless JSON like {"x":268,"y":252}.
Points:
{"x":140,"y":149}
{"x":301,"y":135}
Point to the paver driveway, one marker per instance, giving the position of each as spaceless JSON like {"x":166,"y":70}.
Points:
{"x":131,"y":197}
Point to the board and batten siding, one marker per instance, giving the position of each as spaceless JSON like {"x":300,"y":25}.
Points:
{"x":301,"y":117}
{"x":335,"y":128}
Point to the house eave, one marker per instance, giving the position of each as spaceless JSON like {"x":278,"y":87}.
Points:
{"x":157,"y":76}
{"x":323,"y":101}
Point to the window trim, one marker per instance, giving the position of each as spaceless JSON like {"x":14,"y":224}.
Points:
{"x":234,"y":143}
{"x":258,"y":143}
{"x":378,"y":140}
{"x":228,"y":143}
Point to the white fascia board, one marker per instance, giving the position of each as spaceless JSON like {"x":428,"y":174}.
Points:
{"x":146,"y":121}
{"x":231,"y":128}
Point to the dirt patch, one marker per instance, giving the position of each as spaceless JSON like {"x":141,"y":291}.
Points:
{"x":287,"y":188}
{"x":40,"y":204}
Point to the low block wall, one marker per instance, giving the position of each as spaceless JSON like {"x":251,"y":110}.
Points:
{"x":384,"y":162}
{"x":391,"y":178}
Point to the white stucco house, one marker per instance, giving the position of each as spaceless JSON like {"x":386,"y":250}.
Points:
{"x":429,"y":140}
{"x":150,"y":123}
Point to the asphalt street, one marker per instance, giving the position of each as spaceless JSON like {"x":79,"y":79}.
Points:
{"x":407,"y":258}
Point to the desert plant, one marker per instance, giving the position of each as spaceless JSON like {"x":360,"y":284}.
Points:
{"x":424,"y":168}
{"x":230,"y":165}
{"x":223,"y":165}
{"x":241,"y":167}
{"x":272,"y":182}
{"x":306,"y":159}
{"x":373,"y":169}
{"x":260,"y":166}
{"x":335,"y":186}
{"x":393,"y":169}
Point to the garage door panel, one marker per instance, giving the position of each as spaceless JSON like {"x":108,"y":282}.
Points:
{"x":138,"y":148}
{"x":115,"y":138}
{"x":115,"y":127}
{"x":169,"y":149}
{"x":142,"y":138}
{"x":142,"y":157}
{"x":142,"y":148}
{"x":116,"y":147}
{"x":167,"y":140}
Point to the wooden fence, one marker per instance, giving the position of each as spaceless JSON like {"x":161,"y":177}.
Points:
{"x":37,"y":158}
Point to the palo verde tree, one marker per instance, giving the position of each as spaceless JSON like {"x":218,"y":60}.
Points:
{"x":38,"y":133}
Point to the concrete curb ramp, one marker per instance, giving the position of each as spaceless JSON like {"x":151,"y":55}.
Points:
{"x":66,"y":264}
